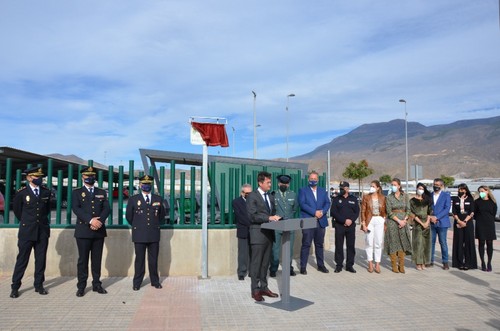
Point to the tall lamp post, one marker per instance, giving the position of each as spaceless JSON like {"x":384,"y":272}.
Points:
{"x":406,"y":143}
{"x":287,"y":120}
{"x":254,"y":127}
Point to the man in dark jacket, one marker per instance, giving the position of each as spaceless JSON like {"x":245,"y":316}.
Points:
{"x":91,"y":207}
{"x":32,"y":208}
{"x":242,"y":230}
{"x":145,"y":212}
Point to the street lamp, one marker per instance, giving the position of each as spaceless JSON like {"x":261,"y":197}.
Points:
{"x":406,"y":143}
{"x":287,"y":99}
{"x":254,"y":127}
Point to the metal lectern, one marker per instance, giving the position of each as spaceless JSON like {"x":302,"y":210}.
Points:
{"x":287,"y":226}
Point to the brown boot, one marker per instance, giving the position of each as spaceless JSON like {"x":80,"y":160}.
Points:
{"x":394,"y":263}
{"x":401,"y":255}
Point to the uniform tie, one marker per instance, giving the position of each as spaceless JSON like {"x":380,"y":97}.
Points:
{"x":267,"y":202}
{"x":36,"y":192}
{"x":91,"y":192}
{"x":147,"y":199}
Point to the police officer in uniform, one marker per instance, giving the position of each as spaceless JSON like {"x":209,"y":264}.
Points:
{"x":145,"y":212}
{"x":91,"y":207}
{"x":286,"y":206}
{"x":32,"y":208}
{"x":345,"y":211}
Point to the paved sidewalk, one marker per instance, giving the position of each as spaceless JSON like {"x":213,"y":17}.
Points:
{"x":433,"y":299}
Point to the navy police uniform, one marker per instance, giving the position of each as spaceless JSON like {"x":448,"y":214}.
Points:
{"x":32,"y":207}
{"x":145,"y":213}
{"x":344,"y":208}
{"x":89,"y":202}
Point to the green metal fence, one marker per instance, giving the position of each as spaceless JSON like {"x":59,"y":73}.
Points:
{"x":181,"y":195}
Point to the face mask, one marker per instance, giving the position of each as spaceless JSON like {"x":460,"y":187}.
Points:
{"x":37,"y":181}
{"x":420,"y":192}
{"x":461,"y":194}
{"x":482,"y":195}
{"x":394,"y":188}
{"x":436,"y":188}
{"x":146,"y":187}
{"x":313,"y":183}
{"x":342,"y":191}
{"x":373,"y":190}
{"x":89,"y":180}
{"x":283,"y":188}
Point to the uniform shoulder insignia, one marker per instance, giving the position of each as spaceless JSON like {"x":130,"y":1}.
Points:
{"x":21,"y":188}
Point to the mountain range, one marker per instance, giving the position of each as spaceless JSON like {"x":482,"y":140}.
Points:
{"x":462,"y":149}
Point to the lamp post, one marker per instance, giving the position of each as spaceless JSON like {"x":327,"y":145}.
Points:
{"x":406,"y":143}
{"x":287,"y":120}
{"x":254,"y":127}
{"x":233,"y":138}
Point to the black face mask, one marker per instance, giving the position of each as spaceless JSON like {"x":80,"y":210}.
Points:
{"x":89,"y":180}
{"x":436,"y":188}
{"x":342,"y":191}
{"x":461,"y":194}
{"x":283,"y":188}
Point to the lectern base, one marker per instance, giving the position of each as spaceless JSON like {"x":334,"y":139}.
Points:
{"x":292,"y":305}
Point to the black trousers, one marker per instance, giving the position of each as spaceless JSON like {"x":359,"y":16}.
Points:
{"x":140,"y":262}
{"x":243,"y":257}
{"x":259,"y":263}
{"x":349,"y":233}
{"x":25,"y":247}
{"x":86,"y":248}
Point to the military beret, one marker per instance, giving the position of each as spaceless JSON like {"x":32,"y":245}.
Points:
{"x":88,"y":171}
{"x":34,"y":171}
{"x":285,"y":179}
{"x":344,"y":184}
{"x":146,"y":179}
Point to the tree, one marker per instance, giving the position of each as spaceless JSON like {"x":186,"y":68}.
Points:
{"x":447,"y":180}
{"x":385,"y":179}
{"x":358,"y":171}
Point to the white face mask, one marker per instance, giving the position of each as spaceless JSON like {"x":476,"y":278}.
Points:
{"x":373,"y":190}
{"x":420,"y":192}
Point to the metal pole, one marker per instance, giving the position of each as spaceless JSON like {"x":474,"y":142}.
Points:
{"x":406,"y":143}
{"x":254,"y":127}
{"x":204,"y":210}
{"x":287,"y":124}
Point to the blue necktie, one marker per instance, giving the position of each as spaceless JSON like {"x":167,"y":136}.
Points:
{"x":147,"y":199}
{"x":92,"y":192}
{"x":267,"y":202}
{"x":36,"y":192}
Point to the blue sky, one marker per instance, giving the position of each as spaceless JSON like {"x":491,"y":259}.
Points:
{"x":101,"y":79}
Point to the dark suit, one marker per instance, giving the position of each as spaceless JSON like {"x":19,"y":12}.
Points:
{"x":34,"y":233}
{"x":145,"y":220}
{"x":242,"y":233}
{"x":261,"y":240}
{"x":308,"y":207}
{"x":89,"y":241}
{"x":343,"y":209}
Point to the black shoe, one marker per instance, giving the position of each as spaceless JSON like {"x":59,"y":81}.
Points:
{"x":41,"y":291}
{"x":483,"y":266}
{"x":350,"y":269}
{"x":272,"y":274}
{"x":292,"y":272}
{"x":241,"y":277}
{"x":80,"y":293}
{"x":99,"y":290}
{"x":323,"y":269}
{"x":136,"y":288}
{"x":14,"y":294}
{"x":303,"y":271}
{"x":337,"y":269}
{"x":157,"y":286}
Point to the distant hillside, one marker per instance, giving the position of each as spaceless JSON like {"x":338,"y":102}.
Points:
{"x":466,"y":149}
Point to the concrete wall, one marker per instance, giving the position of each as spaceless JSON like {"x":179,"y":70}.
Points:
{"x":180,"y":252}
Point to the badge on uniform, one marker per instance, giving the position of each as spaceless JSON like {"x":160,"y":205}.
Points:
{"x":28,"y":198}
{"x":83,"y":194}
{"x":156,"y":204}
{"x":138,"y":202}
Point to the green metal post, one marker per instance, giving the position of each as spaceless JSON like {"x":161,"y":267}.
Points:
{"x":222,"y":199}
{"x":182,"y":196}
{"x":69,"y":196}
{"x":18,"y":186}
{"x":79,"y":181}
{"x":50,"y":167}
{"x":212,"y":191}
{"x":192,"y":194}
{"x":110,"y":194}
{"x":172,"y":192}
{"x":120,"y":195}
{"x":232,"y":185}
{"x":161,"y":189}
{"x":8,"y":190}
{"x":59,"y":196}
{"x":131,"y":178}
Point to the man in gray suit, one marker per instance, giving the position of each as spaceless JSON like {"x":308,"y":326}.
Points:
{"x":261,"y":209}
